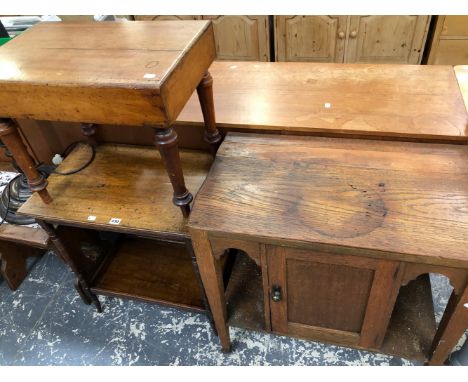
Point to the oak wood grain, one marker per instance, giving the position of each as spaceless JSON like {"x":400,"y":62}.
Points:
{"x":286,"y":98}
{"x":212,"y":278}
{"x":392,"y":200}
{"x":125,"y":182}
{"x":406,"y":101}
{"x":452,"y":326}
{"x":119,"y":73}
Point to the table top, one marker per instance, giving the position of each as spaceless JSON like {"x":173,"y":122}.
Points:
{"x":409,"y":101}
{"x":125,"y":182}
{"x":153,"y":66}
{"x":399,"y":200}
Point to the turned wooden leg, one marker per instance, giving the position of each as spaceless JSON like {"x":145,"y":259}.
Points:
{"x":212,"y":276}
{"x":452,"y":326}
{"x":13,"y":262}
{"x":165,"y":140}
{"x":11,"y":138}
{"x":89,"y":131}
{"x":60,"y":248}
{"x":205,"y":96}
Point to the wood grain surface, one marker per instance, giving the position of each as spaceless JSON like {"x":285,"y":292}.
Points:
{"x":151,"y":271}
{"x":132,"y":73}
{"x":461,"y":72}
{"x":408,"y":101}
{"x":124,"y":182}
{"x":399,"y":200}
{"x":35,"y":237}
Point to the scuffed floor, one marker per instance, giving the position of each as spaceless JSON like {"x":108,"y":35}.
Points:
{"x":45,"y":323}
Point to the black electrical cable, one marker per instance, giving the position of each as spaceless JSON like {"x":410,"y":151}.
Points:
{"x":9,"y":197}
{"x":69,"y":149}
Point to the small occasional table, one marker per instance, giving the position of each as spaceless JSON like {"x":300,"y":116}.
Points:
{"x":114,"y":221}
{"x":128,"y":73}
{"x":342,"y":234}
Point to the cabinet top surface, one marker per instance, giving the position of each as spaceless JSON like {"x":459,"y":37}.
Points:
{"x":417,"y":101}
{"x":137,"y":54}
{"x":392,"y":197}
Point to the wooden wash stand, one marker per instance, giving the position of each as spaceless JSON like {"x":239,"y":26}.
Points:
{"x":114,"y":222}
{"x":339,"y":235}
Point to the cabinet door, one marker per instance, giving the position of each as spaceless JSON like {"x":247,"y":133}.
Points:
{"x":386,"y":39}
{"x":310,"y":38}
{"x":455,"y":26}
{"x":449,"y":45}
{"x":329,"y":297}
{"x":243,"y":38}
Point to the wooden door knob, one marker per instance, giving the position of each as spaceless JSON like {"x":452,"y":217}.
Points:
{"x":341,"y":35}
{"x":353,"y":34}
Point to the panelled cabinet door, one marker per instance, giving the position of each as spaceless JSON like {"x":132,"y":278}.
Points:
{"x":386,"y":39}
{"x":449,"y":45}
{"x":332,"y":298}
{"x":310,"y":38}
{"x":242,"y":38}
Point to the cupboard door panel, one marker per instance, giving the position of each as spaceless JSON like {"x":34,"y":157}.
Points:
{"x":310,"y":38}
{"x":244,"y":38}
{"x":451,"y":52}
{"x":338,"y":294}
{"x":386,"y":39}
{"x":330,"y":297}
{"x":455,"y":26}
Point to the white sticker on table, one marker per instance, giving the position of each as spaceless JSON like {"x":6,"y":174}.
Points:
{"x":91,"y":218}
{"x":115,"y":221}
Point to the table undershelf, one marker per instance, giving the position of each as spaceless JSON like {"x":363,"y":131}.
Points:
{"x":151,"y":271}
{"x":125,"y":182}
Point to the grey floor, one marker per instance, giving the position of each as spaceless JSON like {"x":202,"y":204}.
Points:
{"x":45,"y":323}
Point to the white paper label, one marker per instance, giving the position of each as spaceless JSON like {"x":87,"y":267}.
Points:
{"x":115,"y":221}
{"x":91,"y":218}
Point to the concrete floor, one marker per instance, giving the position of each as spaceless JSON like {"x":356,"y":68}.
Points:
{"x":45,"y":323}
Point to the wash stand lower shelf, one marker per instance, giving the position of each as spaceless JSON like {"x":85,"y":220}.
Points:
{"x":115,"y":225}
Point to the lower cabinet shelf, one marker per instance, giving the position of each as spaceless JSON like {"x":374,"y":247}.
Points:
{"x":153,"y":271}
